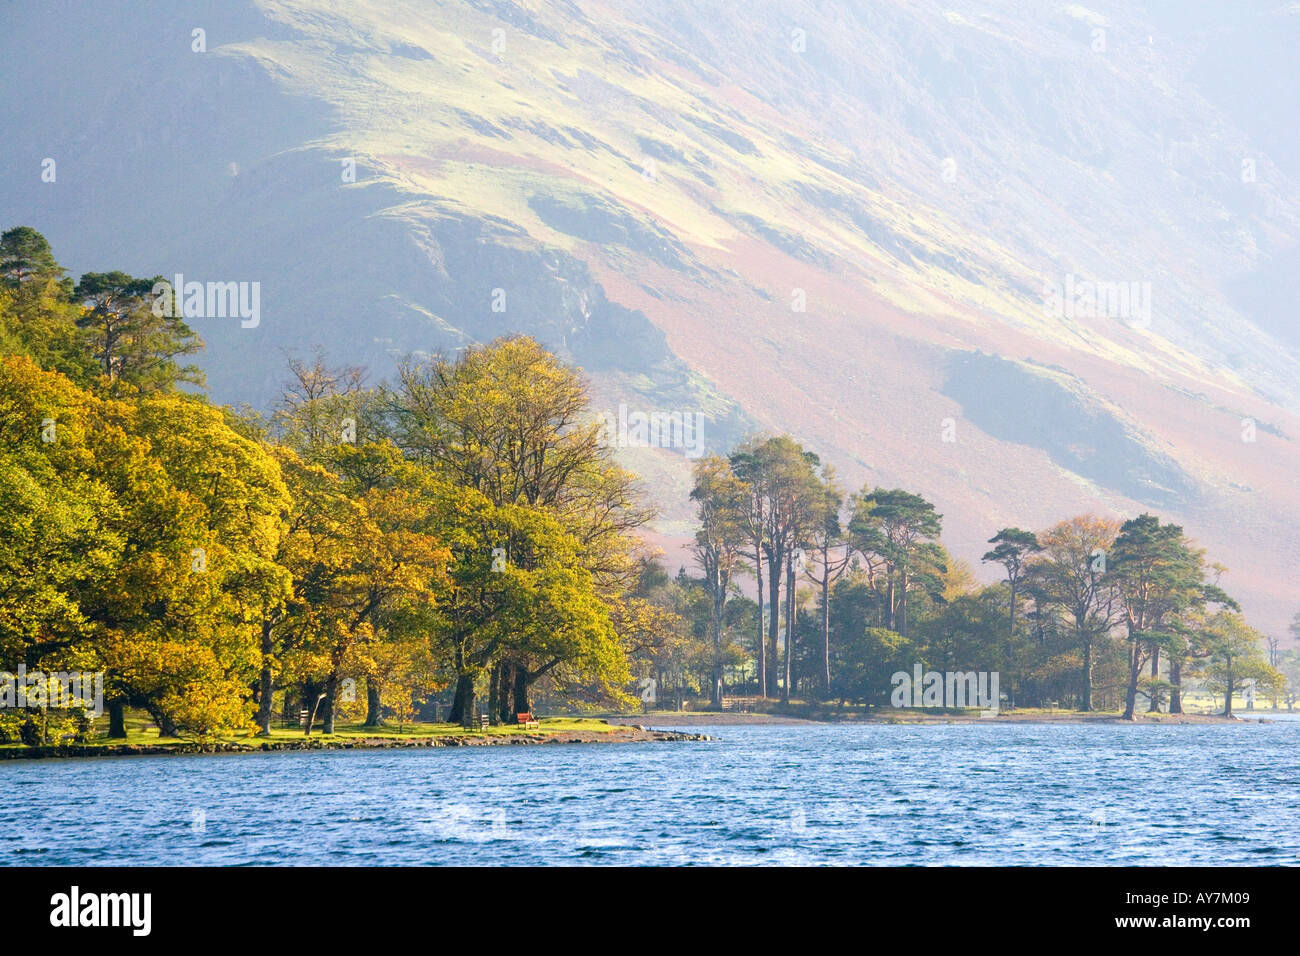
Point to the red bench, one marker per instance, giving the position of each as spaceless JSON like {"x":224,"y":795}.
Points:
{"x":527,"y":720}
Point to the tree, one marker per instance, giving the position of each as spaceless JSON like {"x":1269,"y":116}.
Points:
{"x":62,"y":533}
{"x":360,"y":561}
{"x":866,"y":663}
{"x":175,"y":521}
{"x":182,"y":620}
{"x":132,"y":343}
{"x":37,"y":317}
{"x":965,"y":634}
{"x":1188,"y":637}
{"x":530,"y":600}
{"x":510,"y":421}
{"x":902,"y":530}
{"x":652,"y":629}
{"x":827,"y":536}
{"x":746,"y":467}
{"x":1069,"y":572}
{"x":320,"y":407}
{"x":1012,"y":550}
{"x":1236,"y":655}
{"x":332,"y":422}
{"x":26,"y":256}
{"x":784,"y":477}
{"x":722,"y":502}
{"x":1158,"y":574}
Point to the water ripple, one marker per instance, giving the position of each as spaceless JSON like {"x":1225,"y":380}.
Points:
{"x":888,"y":794}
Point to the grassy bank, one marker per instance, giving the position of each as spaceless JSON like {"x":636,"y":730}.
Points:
{"x":143,"y":737}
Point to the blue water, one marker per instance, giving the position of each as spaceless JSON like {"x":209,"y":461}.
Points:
{"x":946,"y":794}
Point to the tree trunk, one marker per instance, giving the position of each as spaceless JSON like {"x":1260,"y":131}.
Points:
{"x":117,"y":718}
{"x":1130,"y":694}
{"x":521,"y":690}
{"x":789,"y":629}
{"x":1227,"y":697}
{"x":1155,"y":676}
{"x":1087,"y":676}
{"x":774,"y":619}
{"x":462,"y":707}
{"x":902,"y":604}
{"x":889,"y":602}
{"x":166,"y":726}
{"x":310,"y":703}
{"x":331,"y":689}
{"x":826,"y":628}
{"x":372,"y":704}
{"x":762,"y":654}
{"x":1176,"y":679}
{"x":504,"y":678}
{"x":719,"y":597}
{"x":1012,"y":623}
{"x":266,"y":689}
{"x":494,"y":692}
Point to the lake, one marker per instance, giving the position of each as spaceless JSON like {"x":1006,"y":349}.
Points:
{"x":994,"y":794}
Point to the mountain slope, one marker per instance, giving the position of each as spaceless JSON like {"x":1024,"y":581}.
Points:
{"x":852,"y":225}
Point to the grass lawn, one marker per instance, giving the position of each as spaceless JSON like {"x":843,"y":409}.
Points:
{"x":141,"y":730}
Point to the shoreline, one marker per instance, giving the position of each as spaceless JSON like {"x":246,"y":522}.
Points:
{"x":620,"y":735}
{"x":727,"y":718}
{"x":624,"y":728}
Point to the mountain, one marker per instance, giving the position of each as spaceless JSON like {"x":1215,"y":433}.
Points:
{"x":1026,"y":260}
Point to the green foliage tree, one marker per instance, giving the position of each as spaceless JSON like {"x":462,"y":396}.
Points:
{"x":135,"y":345}
{"x":1012,"y":549}
{"x":901,"y":529}
{"x":1158,"y":574}
{"x":722,"y":501}
{"x":1236,"y":655}
{"x":782,"y":475}
{"x":826,"y":537}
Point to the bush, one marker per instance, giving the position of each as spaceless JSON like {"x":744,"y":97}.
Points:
{"x":10,"y":722}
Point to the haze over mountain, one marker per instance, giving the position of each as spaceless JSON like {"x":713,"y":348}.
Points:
{"x":856,"y":223}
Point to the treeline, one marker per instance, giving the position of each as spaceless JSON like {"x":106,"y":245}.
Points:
{"x":462,"y":534}
{"x":459,"y":532}
{"x":1091,"y":612}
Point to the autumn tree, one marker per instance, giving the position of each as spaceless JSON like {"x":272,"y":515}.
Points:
{"x":511,"y":422}
{"x":37,"y":316}
{"x":183,"y":514}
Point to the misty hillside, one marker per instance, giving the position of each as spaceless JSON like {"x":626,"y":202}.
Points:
{"x":861,"y":224}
